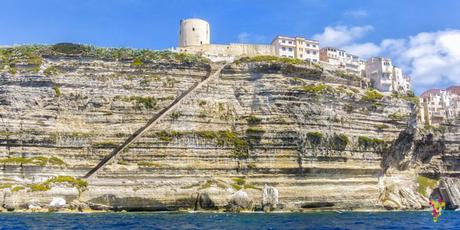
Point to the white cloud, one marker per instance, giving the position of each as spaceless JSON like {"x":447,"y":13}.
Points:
{"x":339,"y":36}
{"x":356,"y":13}
{"x":432,"y":59}
{"x":363,"y":50}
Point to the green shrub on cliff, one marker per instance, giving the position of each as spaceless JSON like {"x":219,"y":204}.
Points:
{"x":50,"y":71}
{"x":137,"y":62}
{"x":147,"y":102}
{"x":424,"y":183}
{"x":69,"y":48}
{"x":253,"y":130}
{"x":315,"y":138}
{"x":409,"y":96}
{"x":57,"y":91}
{"x":253,"y":120}
{"x":368,"y":142}
{"x":340,"y":141}
{"x":372,"y":95}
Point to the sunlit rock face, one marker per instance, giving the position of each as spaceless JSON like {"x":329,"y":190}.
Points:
{"x":317,"y":138}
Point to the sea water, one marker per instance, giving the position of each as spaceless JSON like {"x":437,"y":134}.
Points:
{"x":174,"y":220}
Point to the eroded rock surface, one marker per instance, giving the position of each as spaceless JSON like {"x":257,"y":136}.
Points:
{"x":319,"y":139}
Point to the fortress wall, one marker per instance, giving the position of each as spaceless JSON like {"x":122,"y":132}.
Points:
{"x":232,"y":49}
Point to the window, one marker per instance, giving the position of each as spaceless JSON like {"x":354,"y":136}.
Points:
{"x":284,"y":41}
{"x":283,"y":48}
{"x":308,"y":51}
{"x":301,"y":56}
{"x":314,"y":52}
{"x":201,"y":42}
{"x":290,"y":42}
{"x":308,"y":45}
{"x":290,"y":49}
{"x":193,"y":29}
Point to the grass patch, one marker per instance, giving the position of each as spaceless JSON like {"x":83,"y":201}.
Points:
{"x":424,"y":183}
{"x":3,"y":186}
{"x":397,"y":116}
{"x":150,"y":164}
{"x":348,"y":76}
{"x":17,"y":188}
{"x":318,"y":89}
{"x":38,"y":160}
{"x":38,"y":187}
{"x":72,"y":181}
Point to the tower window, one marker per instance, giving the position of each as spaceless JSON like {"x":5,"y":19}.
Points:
{"x":201,"y":42}
{"x":193,"y":29}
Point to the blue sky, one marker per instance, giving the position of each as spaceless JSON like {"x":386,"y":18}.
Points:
{"x":398,"y":29}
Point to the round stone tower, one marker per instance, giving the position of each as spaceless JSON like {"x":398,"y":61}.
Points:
{"x":194,"y":32}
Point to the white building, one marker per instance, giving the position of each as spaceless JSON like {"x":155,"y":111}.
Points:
{"x":296,"y":47}
{"x":385,"y":77}
{"x":440,"y":106}
{"x":342,"y":60}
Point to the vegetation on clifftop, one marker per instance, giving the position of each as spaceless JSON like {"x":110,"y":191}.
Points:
{"x":267,"y":58}
{"x":32,"y":55}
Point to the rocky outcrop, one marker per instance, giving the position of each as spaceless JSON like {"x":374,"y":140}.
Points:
{"x":319,"y":140}
{"x":450,"y":192}
{"x":269,"y":198}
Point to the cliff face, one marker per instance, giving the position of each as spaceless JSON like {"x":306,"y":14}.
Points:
{"x":315,"y":138}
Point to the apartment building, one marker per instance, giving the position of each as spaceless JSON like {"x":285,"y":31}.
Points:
{"x":440,"y":106}
{"x":385,"y":77}
{"x":343,"y":60}
{"x":296,"y":47}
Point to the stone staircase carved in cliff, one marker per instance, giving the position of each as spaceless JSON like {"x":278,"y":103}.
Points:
{"x":152,"y":121}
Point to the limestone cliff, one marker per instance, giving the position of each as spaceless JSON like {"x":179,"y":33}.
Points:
{"x":261,"y":131}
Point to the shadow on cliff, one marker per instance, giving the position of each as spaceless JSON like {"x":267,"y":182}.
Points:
{"x":112,"y":202}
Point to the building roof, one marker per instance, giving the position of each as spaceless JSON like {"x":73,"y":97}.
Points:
{"x":454,"y":90}
{"x":430,"y":92}
{"x":293,"y":38}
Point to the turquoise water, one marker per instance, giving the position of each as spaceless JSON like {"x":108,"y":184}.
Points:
{"x":350,"y":220}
